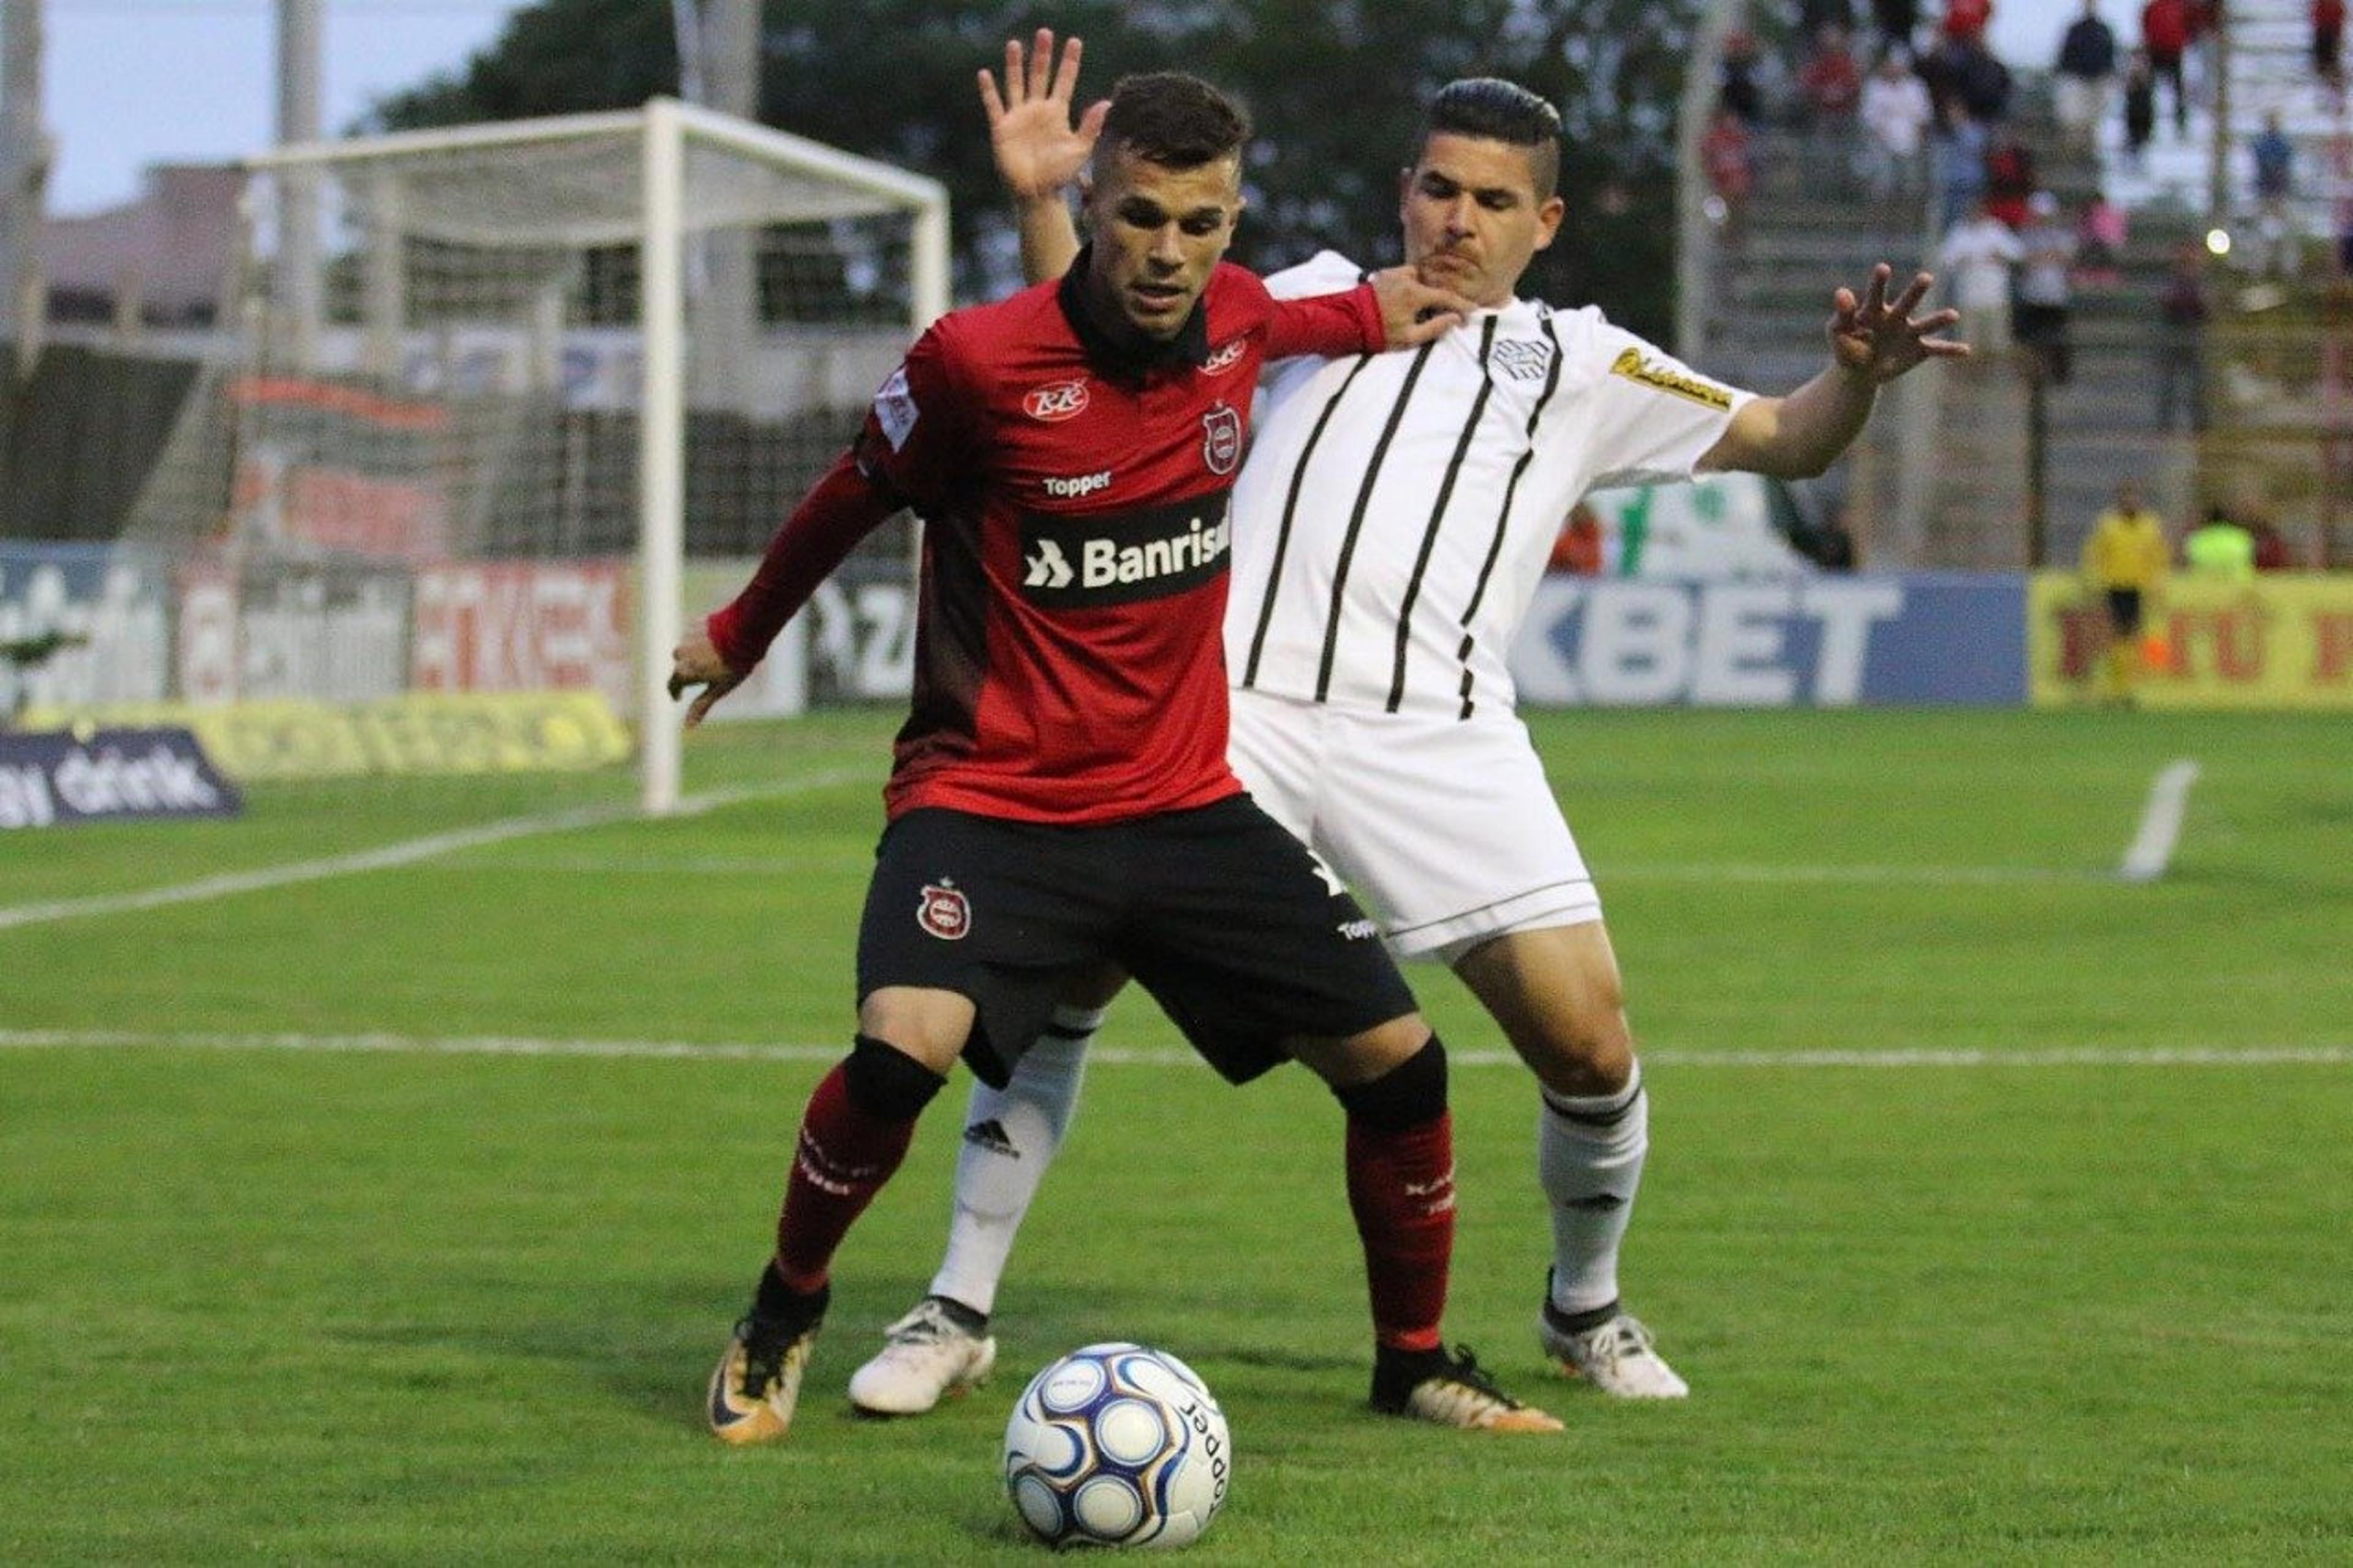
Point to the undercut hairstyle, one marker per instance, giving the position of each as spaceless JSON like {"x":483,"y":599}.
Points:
{"x":1175,"y":120}
{"x":1494,"y":109}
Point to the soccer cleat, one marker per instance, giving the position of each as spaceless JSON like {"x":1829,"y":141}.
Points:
{"x":937,"y":1350}
{"x":1449,"y":1390}
{"x":758,"y":1380}
{"x":1614,"y":1355}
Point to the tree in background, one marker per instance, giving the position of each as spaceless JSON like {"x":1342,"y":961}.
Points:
{"x":1335,"y":88}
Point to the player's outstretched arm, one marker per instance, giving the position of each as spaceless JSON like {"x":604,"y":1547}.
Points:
{"x":1874,"y":340}
{"x":1040,"y":150}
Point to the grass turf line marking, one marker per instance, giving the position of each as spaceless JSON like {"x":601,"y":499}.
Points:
{"x":390,"y":855}
{"x":1126,"y":1055}
{"x":2161,"y":823}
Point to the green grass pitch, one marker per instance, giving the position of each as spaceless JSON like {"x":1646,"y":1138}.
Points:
{"x":1998,"y":1211}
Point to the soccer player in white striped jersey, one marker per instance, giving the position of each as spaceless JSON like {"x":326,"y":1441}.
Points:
{"x":1390,"y":526}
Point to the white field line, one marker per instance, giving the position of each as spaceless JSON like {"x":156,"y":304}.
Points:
{"x":389,"y":855}
{"x":2121,"y":1056}
{"x":2161,"y":823}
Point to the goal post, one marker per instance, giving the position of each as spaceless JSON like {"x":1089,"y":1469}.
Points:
{"x":544,"y":362}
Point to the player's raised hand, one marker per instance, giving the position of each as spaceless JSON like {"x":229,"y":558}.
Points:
{"x":1880,"y":337}
{"x":1040,"y":148}
{"x":1412,"y":311}
{"x":696,"y":662}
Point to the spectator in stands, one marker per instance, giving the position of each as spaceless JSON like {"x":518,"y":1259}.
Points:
{"x":1983,"y":83}
{"x":1964,"y":21}
{"x":2125,"y":561}
{"x":1740,"y":90}
{"x":1580,"y":549}
{"x":1830,"y":84}
{"x":2328,"y":43}
{"x":2100,"y":235}
{"x":1978,"y":256}
{"x":2044,"y":298}
{"x":2205,"y":29}
{"x":2009,"y":177}
{"x":2272,"y":551}
{"x":1726,"y":154}
{"x":2164,"y":32}
{"x":1898,"y":21}
{"x":1957,"y":151}
{"x":2086,"y":72}
{"x":1939,"y":68}
{"x":2274,"y":156}
{"x":2180,"y":341}
{"x":2220,"y":550}
{"x":2274,"y":160}
{"x":2140,"y":107}
{"x":1896,"y":116}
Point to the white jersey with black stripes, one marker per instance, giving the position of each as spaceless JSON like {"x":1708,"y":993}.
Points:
{"x":1396,"y":510}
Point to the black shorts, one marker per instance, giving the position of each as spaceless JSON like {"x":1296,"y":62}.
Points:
{"x":1217,"y":911}
{"x":2124,"y":611}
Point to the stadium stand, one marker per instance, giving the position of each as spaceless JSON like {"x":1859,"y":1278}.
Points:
{"x":1943,"y":478}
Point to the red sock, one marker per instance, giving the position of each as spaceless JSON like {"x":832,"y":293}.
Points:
{"x":846,"y":1155}
{"x":1401,"y":1188}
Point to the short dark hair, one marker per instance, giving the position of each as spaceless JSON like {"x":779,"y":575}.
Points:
{"x":1497,"y":110}
{"x":1176,"y":121}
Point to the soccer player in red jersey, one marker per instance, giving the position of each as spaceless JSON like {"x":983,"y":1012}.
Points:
{"x":1391,"y":525}
{"x":1060,"y":796}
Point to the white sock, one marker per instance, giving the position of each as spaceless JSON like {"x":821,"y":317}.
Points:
{"x":1589,"y":1161}
{"x":1010,"y":1135}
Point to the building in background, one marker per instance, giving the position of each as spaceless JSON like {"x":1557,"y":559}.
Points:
{"x":163,"y":260}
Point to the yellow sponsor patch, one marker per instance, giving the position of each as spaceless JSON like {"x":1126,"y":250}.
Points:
{"x":1634,"y":367}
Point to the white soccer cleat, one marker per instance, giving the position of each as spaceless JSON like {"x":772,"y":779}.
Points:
{"x":935,"y":1351}
{"x":1615,"y":1356}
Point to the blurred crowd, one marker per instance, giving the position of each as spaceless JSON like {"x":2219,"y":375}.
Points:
{"x":1887,"y":101}
{"x":1880,"y":99}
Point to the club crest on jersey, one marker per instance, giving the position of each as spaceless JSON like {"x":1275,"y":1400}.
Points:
{"x":1522,"y":359}
{"x":1056,"y":402}
{"x":944,"y":912}
{"x":1224,"y":357}
{"x":1221,"y":439}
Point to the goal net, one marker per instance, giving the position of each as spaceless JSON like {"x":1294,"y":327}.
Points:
{"x":494,"y":387}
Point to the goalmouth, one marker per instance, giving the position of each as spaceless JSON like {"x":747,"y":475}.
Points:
{"x":508,"y":376}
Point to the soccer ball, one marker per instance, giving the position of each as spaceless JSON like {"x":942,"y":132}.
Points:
{"x":1116,"y":1444}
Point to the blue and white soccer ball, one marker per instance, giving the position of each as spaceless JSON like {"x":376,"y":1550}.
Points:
{"x":1115,"y":1445}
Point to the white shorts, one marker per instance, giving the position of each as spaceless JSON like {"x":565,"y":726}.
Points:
{"x":1446,"y":828}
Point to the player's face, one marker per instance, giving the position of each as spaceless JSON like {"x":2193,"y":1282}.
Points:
{"x":1471,"y":218}
{"x":1158,"y":233}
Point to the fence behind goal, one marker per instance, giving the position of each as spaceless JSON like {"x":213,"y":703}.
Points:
{"x":493,"y":385}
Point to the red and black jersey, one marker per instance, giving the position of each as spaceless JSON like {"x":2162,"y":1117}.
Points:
{"x":1069,"y":662}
